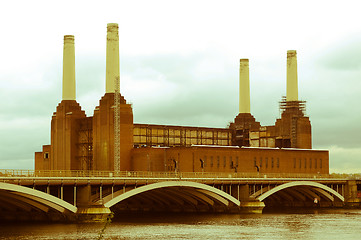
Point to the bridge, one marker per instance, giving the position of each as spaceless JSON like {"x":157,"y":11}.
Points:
{"x":93,"y":195}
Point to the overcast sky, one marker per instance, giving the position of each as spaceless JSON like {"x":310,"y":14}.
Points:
{"x":180,"y":66}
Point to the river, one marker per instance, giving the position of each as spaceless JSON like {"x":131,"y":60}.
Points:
{"x":300,"y":224}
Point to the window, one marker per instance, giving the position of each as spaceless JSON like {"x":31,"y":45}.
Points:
{"x":217,"y":161}
{"x":278,"y":163}
{"x":46,"y":155}
{"x":294,"y":163}
{"x":255,"y":162}
{"x":310,"y":162}
{"x":237,"y":161}
{"x":260,"y":162}
{"x":315,"y":162}
{"x":224,"y":162}
{"x":305,"y":163}
{"x":211,"y":161}
{"x":266,"y":162}
{"x":300,"y":162}
{"x":205,"y":161}
{"x":230,"y":162}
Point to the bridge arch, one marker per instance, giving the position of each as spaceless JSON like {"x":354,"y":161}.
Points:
{"x":318,"y":187}
{"x":192,"y":193}
{"x":28,"y":198}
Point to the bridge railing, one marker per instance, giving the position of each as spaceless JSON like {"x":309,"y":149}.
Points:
{"x":144,"y":174}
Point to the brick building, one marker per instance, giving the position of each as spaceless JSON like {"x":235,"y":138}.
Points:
{"x":109,"y":140}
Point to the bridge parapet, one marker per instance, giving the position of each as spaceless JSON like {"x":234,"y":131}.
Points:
{"x":145,"y":174}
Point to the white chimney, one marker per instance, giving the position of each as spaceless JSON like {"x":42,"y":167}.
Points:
{"x":69,"y":68}
{"x":292,"y":83}
{"x":244,"y":96}
{"x":112,"y":62}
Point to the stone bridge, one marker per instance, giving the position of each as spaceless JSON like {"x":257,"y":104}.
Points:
{"x":91,"y":196}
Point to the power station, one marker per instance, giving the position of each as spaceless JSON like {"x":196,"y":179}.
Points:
{"x":110,"y":140}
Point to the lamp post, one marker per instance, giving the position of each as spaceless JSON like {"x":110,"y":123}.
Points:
{"x":175,"y":166}
{"x":234,"y":166}
{"x":257,"y":169}
{"x":202,"y":164}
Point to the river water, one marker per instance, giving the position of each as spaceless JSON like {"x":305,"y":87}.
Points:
{"x":301,"y":224}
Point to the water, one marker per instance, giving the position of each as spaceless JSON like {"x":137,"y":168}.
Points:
{"x":311,"y":224}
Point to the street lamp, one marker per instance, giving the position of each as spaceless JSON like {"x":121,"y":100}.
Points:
{"x":175,"y":166}
{"x":202,"y":164}
{"x":256,"y":166}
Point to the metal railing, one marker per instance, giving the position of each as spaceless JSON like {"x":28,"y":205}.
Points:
{"x":145,"y":174}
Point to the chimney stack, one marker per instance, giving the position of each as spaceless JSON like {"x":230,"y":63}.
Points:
{"x":69,"y":68}
{"x":292,"y":85}
{"x":112,"y":62}
{"x":244,"y":96}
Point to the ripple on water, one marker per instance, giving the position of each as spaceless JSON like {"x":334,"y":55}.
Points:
{"x":325,"y":224}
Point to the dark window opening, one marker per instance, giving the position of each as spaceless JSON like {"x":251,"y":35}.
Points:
{"x":266,"y":162}
{"x":260,"y":162}
{"x":305,"y":163}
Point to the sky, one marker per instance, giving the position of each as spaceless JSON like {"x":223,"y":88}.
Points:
{"x":179,"y":63}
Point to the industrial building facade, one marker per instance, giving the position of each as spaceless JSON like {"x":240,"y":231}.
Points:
{"x":111,"y":141}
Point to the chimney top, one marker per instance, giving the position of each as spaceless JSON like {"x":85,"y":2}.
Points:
{"x":69,"y":38}
{"x":112,"y":27}
{"x":291,"y":53}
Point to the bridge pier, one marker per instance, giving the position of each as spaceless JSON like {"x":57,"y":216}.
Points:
{"x":247,"y":204}
{"x":351,"y":199}
{"x":89,"y":211}
{"x":250,"y":206}
{"x":95,"y":213}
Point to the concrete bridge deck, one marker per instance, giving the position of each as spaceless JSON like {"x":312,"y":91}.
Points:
{"x":92,"y":195}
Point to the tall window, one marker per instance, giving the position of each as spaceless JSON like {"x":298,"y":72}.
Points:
{"x":260,"y":162}
{"x":266,"y":162}
{"x":294,"y":163}
{"x":272,"y":162}
{"x":278,"y":163}
{"x":211,"y":161}
{"x":224,"y":162}
{"x":217,"y":161}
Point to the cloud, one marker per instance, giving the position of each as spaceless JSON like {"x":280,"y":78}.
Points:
{"x":334,"y":94}
{"x":182,"y":69}
{"x":343,"y":56}
{"x":345,"y":160}
{"x":178,"y":89}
